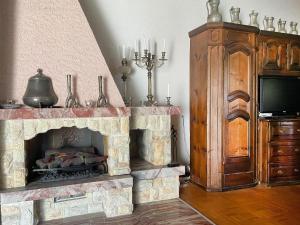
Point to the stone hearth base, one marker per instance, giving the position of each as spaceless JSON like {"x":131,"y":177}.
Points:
{"x":28,"y":206}
{"x":154,"y":183}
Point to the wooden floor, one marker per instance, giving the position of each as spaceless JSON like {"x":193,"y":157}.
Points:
{"x":257,"y":206}
{"x":172,"y":212}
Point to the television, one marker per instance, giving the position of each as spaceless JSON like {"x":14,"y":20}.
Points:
{"x":279,"y":95}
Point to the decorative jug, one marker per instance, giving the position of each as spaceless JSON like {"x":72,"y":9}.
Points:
{"x":39,"y":92}
{"x":253,"y":19}
{"x":213,"y":11}
{"x":235,"y":15}
{"x":269,"y":23}
{"x":294,"y":29}
{"x":281,"y":26}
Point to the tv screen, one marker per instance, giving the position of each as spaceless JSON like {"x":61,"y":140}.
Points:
{"x":279,"y":95}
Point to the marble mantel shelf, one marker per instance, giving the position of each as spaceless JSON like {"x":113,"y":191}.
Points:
{"x":143,"y":170}
{"x":34,"y":192}
{"x":156,"y":110}
{"x":56,"y":113}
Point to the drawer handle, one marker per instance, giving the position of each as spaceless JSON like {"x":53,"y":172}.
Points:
{"x":296,"y":170}
{"x":298,"y":130}
{"x":281,"y":131}
{"x":297,"y":150}
{"x":279,"y":172}
{"x":279,"y":151}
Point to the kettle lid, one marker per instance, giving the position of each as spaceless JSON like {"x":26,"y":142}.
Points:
{"x":40,"y":75}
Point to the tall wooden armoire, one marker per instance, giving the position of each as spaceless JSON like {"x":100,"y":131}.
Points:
{"x":223,"y":106}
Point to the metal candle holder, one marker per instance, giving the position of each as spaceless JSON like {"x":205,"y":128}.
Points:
{"x":102,"y":100}
{"x":71,"y":101}
{"x":174,"y":162}
{"x":149,"y":61}
{"x":169,"y":101}
{"x":125,"y":71}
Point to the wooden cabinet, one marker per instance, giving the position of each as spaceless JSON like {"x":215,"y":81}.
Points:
{"x":279,"y":151}
{"x":225,"y":61}
{"x":222,"y":100}
{"x":279,"y":54}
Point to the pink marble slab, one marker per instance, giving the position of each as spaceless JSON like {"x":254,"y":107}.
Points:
{"x":64,"y":188}
{"x":141,"y":169}
{"x":157,"y":110}
{"x":55,"y":113}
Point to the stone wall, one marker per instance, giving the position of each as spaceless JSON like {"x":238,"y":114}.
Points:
{"x":156,"y":138}
{"x":114,"y":202}
{"x":156,"y":189}
{"x":13,"y":133}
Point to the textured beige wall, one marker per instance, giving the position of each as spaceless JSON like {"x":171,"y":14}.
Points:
{"x":55,"y":36}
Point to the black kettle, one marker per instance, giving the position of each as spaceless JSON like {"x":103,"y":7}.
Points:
{"x":40,"y":92}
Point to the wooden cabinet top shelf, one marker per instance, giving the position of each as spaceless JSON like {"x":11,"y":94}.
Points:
{"x":241,"y":27}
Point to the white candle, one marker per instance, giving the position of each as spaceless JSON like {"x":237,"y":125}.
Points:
{"x":124,"y":52}
{"x":165,"y":45}
{"x":145,"y":44}
{"x":136,"y":45}
{"x":149,"y":45}
{"x":168,"y":90}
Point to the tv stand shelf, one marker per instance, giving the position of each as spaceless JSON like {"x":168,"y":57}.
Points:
{"x":279,"y":148}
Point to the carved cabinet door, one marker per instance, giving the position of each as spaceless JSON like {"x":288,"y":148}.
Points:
{"x":239,"y":118}
{"x":273,"y":55}
{"x":293,"y":56}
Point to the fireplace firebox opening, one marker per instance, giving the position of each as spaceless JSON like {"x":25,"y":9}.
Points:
{"x":65,"y":154}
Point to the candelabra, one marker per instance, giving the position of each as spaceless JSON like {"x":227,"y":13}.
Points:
{"x":149,"y":61}
{"x":125,"y":71}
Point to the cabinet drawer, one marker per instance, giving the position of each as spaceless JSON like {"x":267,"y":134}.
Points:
{"x":284,"y":171}
{"x":285,"y":150}
{"x":285,"y":132}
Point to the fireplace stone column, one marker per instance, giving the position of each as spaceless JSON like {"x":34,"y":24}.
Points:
{"x":18,"y":214}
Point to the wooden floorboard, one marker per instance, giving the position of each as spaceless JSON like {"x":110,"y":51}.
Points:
{"x":258,"y":206}
{"x":172,"y":212}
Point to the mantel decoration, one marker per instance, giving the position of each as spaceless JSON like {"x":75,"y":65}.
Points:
{"x":71,"y":101}
{"x":149,"y":61}
{"x":125,"y":70}
{"x":102,"y":100}
{"x":40,"y":92}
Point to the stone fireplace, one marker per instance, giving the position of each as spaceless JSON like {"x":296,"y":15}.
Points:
{"x":27,"y":136}
{"x":135,"y":143}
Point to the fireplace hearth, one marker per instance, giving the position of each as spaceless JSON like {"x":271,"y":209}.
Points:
{"x":71,"y":172}
{"x":67,"y":153}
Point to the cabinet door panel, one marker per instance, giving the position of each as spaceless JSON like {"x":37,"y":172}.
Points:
{"x":238,"y":133}
{"x":293,"y":57}
{"x":238,"y":126}
{"x":273,"y":55}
